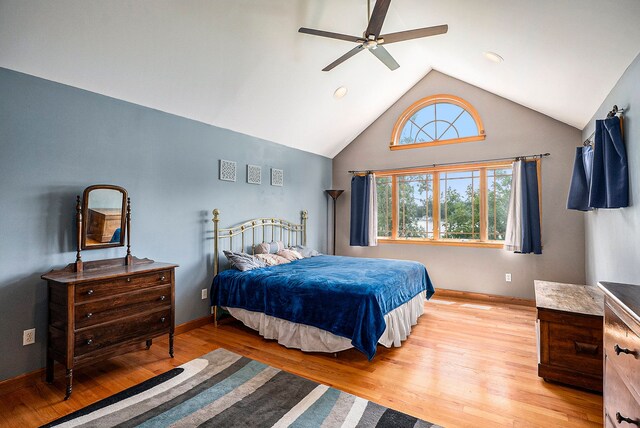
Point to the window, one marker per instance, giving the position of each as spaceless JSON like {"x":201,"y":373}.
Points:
{"x":435,"y":120}
{"x":455,"y":205}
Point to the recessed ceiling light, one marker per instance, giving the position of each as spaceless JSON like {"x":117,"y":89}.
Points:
{"x":493,"y":57}
{"x":340,"y":92}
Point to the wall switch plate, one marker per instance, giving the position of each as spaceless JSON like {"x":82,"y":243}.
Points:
{"x":204,"y":293}
{"x":507,"y":277}
{"x":29,"y":337}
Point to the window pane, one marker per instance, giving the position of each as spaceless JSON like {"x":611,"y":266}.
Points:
{"x":460,"y":205}
{"x":383,"y":187}
{"x":466,"y":126}
{"x":437,"y":122}
{"x":499,"y":188}
{"x":415,"y":206}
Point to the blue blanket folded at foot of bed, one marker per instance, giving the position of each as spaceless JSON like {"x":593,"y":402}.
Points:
{"x":346,"y":296}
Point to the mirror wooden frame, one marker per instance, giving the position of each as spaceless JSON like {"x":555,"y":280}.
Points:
{"x":124,"y":226}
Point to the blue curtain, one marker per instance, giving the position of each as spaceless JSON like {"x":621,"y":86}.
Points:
{"x":610,"y":175}
{"x":360,"y":211}
{"x":581,"y":180}
{"x":531,"y":238}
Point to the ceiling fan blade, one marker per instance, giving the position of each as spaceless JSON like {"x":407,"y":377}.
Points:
{"x":384,"y":56}
{"x":330,"y":35}
{"x":344,"y":57}
{"x":377,"y":18}
{"x":414,"y":34}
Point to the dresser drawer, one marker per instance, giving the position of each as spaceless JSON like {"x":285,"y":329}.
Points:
{"x":102,"y":336}
{"x":618,"y":400}
{"x":575,"y":348}
{"x":619,"y":337}
{"x":123,"y":284}
{"x":95,"y":312}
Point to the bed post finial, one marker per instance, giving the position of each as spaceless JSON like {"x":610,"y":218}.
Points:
{"x":216,"y":214}
{"x":305,"y":216}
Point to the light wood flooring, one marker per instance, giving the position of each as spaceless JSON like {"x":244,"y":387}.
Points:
{"x":466,"y":363}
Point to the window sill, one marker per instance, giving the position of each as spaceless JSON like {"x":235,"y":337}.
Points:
{"x":449,"y":242}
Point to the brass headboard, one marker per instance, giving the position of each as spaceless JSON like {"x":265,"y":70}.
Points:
{"x":274,"y":228}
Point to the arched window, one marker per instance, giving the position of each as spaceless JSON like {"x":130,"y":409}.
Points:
{"x":435,"y":120}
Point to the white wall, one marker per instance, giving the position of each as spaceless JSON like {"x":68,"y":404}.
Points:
{"x":511,"y":130}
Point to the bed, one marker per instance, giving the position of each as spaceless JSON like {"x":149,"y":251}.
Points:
{"x":318,"y":304}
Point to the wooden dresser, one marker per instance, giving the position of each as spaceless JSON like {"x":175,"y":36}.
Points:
{"x":570,"y":333}
{"x":108,"y":309}
{"x":622,"y":354}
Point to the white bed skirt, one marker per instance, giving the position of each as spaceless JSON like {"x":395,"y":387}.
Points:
{"x":312,"y":339}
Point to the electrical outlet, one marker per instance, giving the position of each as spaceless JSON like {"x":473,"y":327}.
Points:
{"x":507,"y":277}
{"x":29,"y":337}
{"x":204,"y":293}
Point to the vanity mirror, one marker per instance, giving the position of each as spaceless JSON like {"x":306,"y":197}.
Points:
{"x":104,"y":215}
{"x":103,"y":219}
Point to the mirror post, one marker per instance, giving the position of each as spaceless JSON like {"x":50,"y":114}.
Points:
{"x":129,"y":258}
{"x":79,"y":266}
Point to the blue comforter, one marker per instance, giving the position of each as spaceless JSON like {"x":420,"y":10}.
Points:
{"x":346,"y":296}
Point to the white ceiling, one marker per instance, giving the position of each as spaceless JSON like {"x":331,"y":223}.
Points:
{"x":241,"y":65}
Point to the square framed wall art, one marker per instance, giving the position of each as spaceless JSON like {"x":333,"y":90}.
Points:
{"x":254,"y":174}
{"x":227,"y":170}
{"x":277,"y":177}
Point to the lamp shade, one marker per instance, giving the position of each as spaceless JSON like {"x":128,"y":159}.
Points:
{"x":335,"y":194}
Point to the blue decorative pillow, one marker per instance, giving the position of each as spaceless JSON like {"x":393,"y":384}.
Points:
{"x":243,"y":261}
{"x":306,"y":252}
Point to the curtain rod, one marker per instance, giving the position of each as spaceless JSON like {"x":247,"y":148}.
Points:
{"x":515,"y":158}
{"x":614,"y":111}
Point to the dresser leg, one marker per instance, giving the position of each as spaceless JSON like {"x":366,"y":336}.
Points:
{"x":69,"y":376}
{"x":171,"y":344}
{"x":149,"y":343}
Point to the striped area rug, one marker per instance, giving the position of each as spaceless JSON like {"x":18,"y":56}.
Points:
{"x":223,"y":389}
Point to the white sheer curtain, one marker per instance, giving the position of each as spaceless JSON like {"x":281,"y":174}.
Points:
{"x":513,"y":234}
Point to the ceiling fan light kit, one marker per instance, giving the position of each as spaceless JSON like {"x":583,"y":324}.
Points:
{"x":372,"y":40}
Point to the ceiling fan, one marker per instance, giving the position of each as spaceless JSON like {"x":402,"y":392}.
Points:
{"x":372,"y":40}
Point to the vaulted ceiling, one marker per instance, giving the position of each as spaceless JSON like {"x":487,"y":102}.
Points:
{"x":242,"y":65}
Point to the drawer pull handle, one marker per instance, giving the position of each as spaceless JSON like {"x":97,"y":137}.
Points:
{"x":163,"y":298}
{"x":162,"y":278}
{"x":619,"y":350}
{"x":89,"y":341}
{"x":89,"y":293}
{"x":585,"y":348}
{"x":128,"y":279}
{"x":621,"y":419}
{"x":89,"y":315}
{"x":163,"y":319}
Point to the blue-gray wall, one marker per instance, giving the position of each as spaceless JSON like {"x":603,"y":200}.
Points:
{"x":612,"y":244}
{"x":55,"y":140}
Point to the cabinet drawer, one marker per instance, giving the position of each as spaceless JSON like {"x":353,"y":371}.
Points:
{"x":575,"y":348}
{"x":618,"y":336}
{"x":618,"y":399}
{"x":142,"y":327}
{"x":124,"y":284}
{"x":122,"y":305}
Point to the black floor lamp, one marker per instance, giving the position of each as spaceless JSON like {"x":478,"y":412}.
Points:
{"x":335,"y":194}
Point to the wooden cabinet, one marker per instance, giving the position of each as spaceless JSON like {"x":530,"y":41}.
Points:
{"x":622,"y":354}
{"x":570,"y":333}
{"x":106,"y":310}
